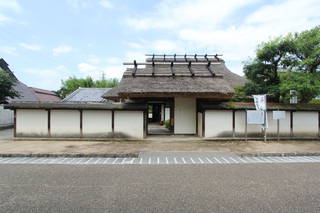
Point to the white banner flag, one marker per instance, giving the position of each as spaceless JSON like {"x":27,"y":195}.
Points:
{"x":260,"y":102}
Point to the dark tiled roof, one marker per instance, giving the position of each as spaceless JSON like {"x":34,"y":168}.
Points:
{"x":45,"y":95}
{"x":87,"y":95}
{"x":26,"y":94}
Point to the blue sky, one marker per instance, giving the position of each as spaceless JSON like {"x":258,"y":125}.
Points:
{"x":45,"y":41}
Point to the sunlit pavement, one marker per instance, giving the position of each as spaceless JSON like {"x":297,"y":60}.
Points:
{"x":166,"y":158}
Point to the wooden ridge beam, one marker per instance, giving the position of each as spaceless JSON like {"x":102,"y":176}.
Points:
{"x":169,"y":63}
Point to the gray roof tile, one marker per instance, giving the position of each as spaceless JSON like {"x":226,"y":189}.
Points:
{"x":87,"y":95}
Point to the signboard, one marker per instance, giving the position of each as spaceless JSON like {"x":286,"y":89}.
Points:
{"x":260,"y":102}
{"x":278,"y":115}
{"x":255,"y":117}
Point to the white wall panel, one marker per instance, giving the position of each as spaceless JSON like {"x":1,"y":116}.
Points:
{"x":284,"y":125}
{"x":185,"y":116}
{"x":218,"y":123}
{"x":32,"y":122}
{"x":65,"y":123}
{"x":96,"y":123}
{"x":129,"y":124}
{"x":305,"y":123}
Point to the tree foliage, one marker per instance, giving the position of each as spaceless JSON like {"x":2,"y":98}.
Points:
{"x":283,"y":64}
{"x":6,"y":86}
{"x":307,"y":86}
{"x":73,"y":83}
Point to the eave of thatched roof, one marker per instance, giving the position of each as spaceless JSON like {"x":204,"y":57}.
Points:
{"x":75,"y":105}
{"x":200,"y":78}
{"x":251,"y":106}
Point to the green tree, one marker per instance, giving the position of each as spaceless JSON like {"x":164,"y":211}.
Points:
{"x":106,"y":83}
{"x":307,"y":52}
{"x":262,"y":71}
{"x":307,"y":86}
{"x":6,"y":86}
{"x":73,"y":83}
{"x":286,"y":57}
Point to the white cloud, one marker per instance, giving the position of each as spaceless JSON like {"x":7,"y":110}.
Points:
{"x":135,"y":55}
{"x":33,"y":47}
{"x":105,"y":4}
{"x":61,"y":49}
{"x":78,"y":4}
{"x":113,"y":60}
{"x":48,"y":78}
{"x":157,"y":46}
{"x":134,"y":45}
{"x":4,"y":18}
{"x":166,"y":46}
{"x":210,"y":25}
{"x":8,"y":50}
{"x":201,"y":13}
{"x":85,"y":67}
{"x":93,"y":59}
{"x":95,"y":71}
{"x":11,"y":5}
{"x":286,"y":12}
{"x":8,"y":7}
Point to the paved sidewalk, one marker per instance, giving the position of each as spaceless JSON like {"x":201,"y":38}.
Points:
{"x":124,"y":148}
{"x":165,"y":159}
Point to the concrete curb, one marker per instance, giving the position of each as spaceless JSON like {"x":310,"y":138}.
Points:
{"x":71,"y":155}
{"x":279,"y":154}
{"x":77,"y":139}
{"x":269,"y":139}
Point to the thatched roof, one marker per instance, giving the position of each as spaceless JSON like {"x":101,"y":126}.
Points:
{"x":177,"y":77}
{"x":251,"y":106}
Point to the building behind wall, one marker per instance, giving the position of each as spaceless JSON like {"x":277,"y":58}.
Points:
{"x":192,"y":92}
{"x":26,"y":94}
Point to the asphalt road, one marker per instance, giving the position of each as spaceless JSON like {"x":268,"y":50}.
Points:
{"x":255,"y":188}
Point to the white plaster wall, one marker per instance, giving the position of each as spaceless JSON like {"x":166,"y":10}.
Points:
{"x":218,"y":123}
{"x":129,"y":124}
{"x":185,"y":116}
{"x":32,"y":122}
{"x":200,"y":132}
{"x":284,"y":125}
{"x":167,"y":114}
{"x":65,"y":123}
{"x":240,"y":125}
{"x":6,"y":117}
{"x":305,"y":123}
{"x":96,"y":123}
